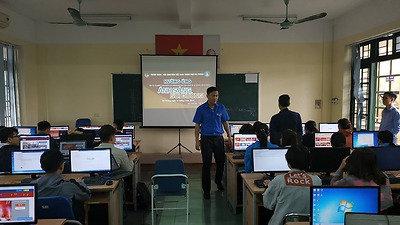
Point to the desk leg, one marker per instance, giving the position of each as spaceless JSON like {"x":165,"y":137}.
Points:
{"x":244,"y":202}
{"x":232,"y":190}
{"x":135,"y":180}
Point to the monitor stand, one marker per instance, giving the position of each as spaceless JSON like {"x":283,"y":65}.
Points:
{"x":29,"y":180}
{"x":326,"y":178}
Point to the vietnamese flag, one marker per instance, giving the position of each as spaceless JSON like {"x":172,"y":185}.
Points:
{"x":179,"y":44}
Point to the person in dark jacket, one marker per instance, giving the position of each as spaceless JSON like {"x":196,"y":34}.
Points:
{"x":9,"y":142}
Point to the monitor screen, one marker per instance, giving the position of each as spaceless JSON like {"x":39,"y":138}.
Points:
{"x":18,"y":203}
{"x":303,"y":128}
{"x":57,"y":131}
{"x":328,"y":127}
{"x":234,"y":128}
{"x":330,"y":203}
{"x":94,"y":129}
{"x":90,"y":160}
{"x":269,"y":160}
{"x":327,"y":159}
{"x":323,"y":139}
{"x":364,"y":139}
{"x":242,"y":141}
{"x":26,"y":130}
{"x":34,"y":142}
{"x":65,"y":146}
{"x":123,"y":141}
{"x":129,"y":129}
{"x":388,"y":158}
{"x":26,"y":162}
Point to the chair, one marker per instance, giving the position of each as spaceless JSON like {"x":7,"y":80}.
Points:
{"x":296,"y":217}
{"x":82,"y":122}
{"x":56,"y":207}
{"x":169,"y":180}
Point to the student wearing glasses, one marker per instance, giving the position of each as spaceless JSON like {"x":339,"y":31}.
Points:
{"x":390,"y":115}
{"x":9,"y":142}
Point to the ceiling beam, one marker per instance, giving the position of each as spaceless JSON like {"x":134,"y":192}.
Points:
{"x":184,"y":13}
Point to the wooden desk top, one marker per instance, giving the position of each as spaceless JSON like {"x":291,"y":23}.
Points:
{"x":229,"y":156}
{"x":51,"y":222}
{"x":249,"y":178}
{"x":297,"y":223}
{"x":16,"y":179}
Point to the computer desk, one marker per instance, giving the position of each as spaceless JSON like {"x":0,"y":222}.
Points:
{"x":252,"y":197}
{"x":135,"y":176}
{"x":233,"y":180}
{"x":101,"y":194}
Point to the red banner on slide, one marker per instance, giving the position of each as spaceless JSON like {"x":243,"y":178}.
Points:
{"x":179,"y":44}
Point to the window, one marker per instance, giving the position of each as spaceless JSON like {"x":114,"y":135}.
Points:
{"x":8,"y":89}
{"x":379,"y":64}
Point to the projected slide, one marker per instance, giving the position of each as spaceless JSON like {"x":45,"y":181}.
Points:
{"x":174,"y":86}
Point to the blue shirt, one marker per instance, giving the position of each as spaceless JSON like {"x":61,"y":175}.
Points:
{"x":211,"y":119}
{"x":391,"y":122}
{"x":248,"y":157}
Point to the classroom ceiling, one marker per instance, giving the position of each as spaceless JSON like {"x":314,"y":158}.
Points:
{"x":184,"y":12}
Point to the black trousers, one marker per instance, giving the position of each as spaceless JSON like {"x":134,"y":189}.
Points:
{"x":210,"y":145}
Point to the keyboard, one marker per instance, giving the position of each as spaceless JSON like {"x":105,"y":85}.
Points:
{"x":116,"y":175}
{"x":238,"y":157}
{"x":91,"y":181}
{"x":259,"y":183}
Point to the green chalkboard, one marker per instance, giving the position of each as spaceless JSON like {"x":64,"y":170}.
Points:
{"x":239,"y":97}
{"x":127,"y":97}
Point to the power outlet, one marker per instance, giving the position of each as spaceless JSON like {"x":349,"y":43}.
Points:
{"x":318,"y":103}
{"x":335,"y":101}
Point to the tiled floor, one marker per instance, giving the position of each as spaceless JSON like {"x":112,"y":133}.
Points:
{"x":208,"y":212}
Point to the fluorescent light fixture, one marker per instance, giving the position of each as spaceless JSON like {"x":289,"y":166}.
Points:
{"x":271,"y":18}
{"x":107,"y":17}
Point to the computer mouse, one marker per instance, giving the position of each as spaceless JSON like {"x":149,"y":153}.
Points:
{"x":109,"y":182}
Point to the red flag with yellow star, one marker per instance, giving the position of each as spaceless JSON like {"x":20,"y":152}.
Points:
{"x":179,"y":44}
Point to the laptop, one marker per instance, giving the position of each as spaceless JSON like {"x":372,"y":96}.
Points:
{"x":116,"y":173}
{"x":18,"y":203}
{"x":329,"y":204}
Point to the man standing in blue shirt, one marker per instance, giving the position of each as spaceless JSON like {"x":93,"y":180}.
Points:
{"x":209,"y":119}
{"x":390,"y":115}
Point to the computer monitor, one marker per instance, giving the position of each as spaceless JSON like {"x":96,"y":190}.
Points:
{"x":34,"y":142}
{"x":327,"y":159}
{"x":57,"y":131}
{"x":26,"y":130}
{"x":269,"y":160}
{"x":388,"y":158}
{"x":323,"y":139}
{"x":124,"y":141}
{"x":65,"y":146}
{"x":90,"y":160}
{"x":328,"y":127}
{"x":234,"y":128}
{"x":18,"y":203}
{"x":365,"y":139}
{"x":242,"y":141}
{"x":78,"y":137}
{"x":370,"y":219}
{"x":129,"y":129}
{"x":328,"y":204}
{"x":91,"y":130}
{"x":26,"y":162}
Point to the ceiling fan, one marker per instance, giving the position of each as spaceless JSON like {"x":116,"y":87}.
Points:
{"x":78,"y":21}
{"x":286,"y":23}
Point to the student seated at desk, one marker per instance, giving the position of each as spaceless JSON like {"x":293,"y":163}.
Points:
{"x":362,"y":170}
{"x":262,"y":132}
{"x":9,"y":142}
{"x":338,"y":140}
{"x":53,"y":184}
{"x":290,"y":193}
{"x":118,"y":125}
{"x":385,"y":139}
{"x":308,"y":138}
{"x":107,"y":137}
{"x":44,"y":128}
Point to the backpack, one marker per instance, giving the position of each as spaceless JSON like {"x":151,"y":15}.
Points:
{"x":143,"y":196}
